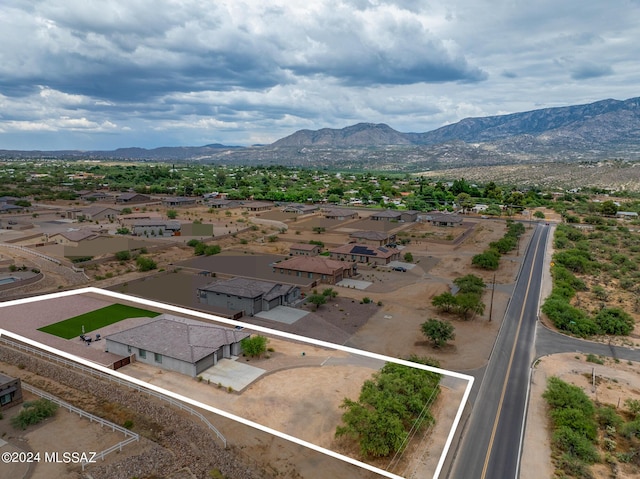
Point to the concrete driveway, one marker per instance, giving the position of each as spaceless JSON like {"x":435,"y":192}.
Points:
{"x":354,"y":283}
{"x":232,"y":373}
{"x":283,"y":314}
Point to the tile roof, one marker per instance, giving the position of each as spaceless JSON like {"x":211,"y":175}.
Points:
{"x":180,"y":338}
{"x":313,"y":264}
{"x":248,"y":288}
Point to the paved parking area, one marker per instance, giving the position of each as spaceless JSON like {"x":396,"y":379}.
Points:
{"x":394,"y":264}
{"x":232,"y":373}
{"x":354,"y":283}
{"x":283,"y":314}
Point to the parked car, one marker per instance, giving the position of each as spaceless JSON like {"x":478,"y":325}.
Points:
{"x":400,"y":268}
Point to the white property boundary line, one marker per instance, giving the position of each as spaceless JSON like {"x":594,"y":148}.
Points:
{"x":210,"y":317}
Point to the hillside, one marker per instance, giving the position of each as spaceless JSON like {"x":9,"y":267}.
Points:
{"x":604,"y":130}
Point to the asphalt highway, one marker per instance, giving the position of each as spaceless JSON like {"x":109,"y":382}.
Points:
{"x":490,"y":447}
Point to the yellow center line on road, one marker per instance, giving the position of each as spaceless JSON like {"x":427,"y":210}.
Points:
{"x":506,"y":378}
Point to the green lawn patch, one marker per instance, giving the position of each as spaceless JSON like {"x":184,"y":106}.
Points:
{"x":72,"y":327}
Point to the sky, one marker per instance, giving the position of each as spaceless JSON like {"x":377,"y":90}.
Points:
{"x":77,"y":74}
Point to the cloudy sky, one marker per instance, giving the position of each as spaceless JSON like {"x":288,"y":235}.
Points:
{"x":115,"y":73}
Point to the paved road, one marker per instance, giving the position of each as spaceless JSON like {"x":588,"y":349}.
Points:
{"x":490,"y":446}
{"x":550,"y":342}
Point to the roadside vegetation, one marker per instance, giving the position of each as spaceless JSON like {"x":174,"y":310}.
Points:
{"x":392,"y":407}
{"x":595,"y":276}
{"x":490,"y":258}
{"x":585,"y":433}
{"x":33,"y":412}
{"x":467,"y":302}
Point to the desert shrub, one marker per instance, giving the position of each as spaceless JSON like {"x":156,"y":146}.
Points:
{"x":34,"y":412}
{"x":614,"y":321}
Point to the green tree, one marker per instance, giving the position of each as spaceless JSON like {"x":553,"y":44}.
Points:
{"x":317,"y":299}
{"x":608,"y":208}
{"x":469,"y":304}
{"x":538,"y":214}
{"x":445,"y":302}
{"x":254,"y":346}
{"x":464,"y":201}
{"x":489,"y":259}
{"x":329,"y":293}
{"x":172,"y":214}
{"x":123,"y":231}
{"x":408,"y":257}
{"x":470,"y":283}
{"x":438,"y":331}
{"x":145,"y":263}
{"x":126,"y":211}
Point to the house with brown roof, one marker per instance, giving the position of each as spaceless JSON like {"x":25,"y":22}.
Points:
{"x":364,"y":254}
{"x":177,"y":344}
{"x":300,"y":209}
{"x":257,"y":206}
{"x":248,"y":295}
{"x":73,"y":238}
{"x":304,"y":249}
{"x":178,"y":201}
{"x":317,"y":268}
{"x":387,"y":215}
{"x":443,"y":219}
{"x":129,"y":198}
{"x":340,"y":214}
{"x":374,"y":238}
{"x":94,"y":213}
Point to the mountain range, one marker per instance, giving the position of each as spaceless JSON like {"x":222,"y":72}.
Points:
{"x":605,"y":129}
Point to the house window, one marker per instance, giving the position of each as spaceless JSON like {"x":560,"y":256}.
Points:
{"x":5,"y":399}
{"x":142,"y":353}
{"x":309,"y":275}
{"x":157,"y":357}
{"x":324,"y":277}
{"x":298,"y":273}
{"x":128,"y":349}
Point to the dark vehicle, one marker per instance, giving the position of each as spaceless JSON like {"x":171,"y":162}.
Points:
{"x":400,"y":268}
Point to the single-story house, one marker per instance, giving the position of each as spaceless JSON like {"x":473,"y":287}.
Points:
{"x":133,"y":217}
{"x":409,"y":216}
{"x":177,"y":344}
{"x":304,"y":249}
{"x":9,"y":208}
{"x":73,"y":238}
{"x":627,"y":215}
{"x":443,"y":219}
{"x":222,"y":203}
{"x":155,"y":227}
{"x":10,"y":392}
{"x":317,"y":267}
{"x":8,"y":200}
{"x":248,"y":295}
{"x":341,"y":215}
{"x":300,"y":209}
{"x":94,"y":213}
{"x":96,"y":196}
{"x":375,"y":238}
{"x":178,"y":201}
{"x":257,"y":206}
{"x":129,"y":198}
{"x":364,"y":254}
{"x":387,"y":215}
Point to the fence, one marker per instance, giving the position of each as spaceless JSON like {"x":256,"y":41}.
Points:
{"x":130,"y":436}
{"x":122,"y":382}
{"x":30,"y":251}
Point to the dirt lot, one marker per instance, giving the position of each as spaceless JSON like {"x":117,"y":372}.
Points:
{"x":615,"y":382}
{"x":65,"y":432}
